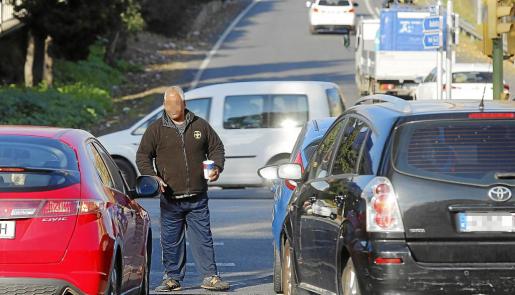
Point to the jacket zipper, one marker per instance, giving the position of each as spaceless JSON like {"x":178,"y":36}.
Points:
{"x":186,"y":163}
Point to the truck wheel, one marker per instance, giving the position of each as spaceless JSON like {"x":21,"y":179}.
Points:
{"x":312,"y":30}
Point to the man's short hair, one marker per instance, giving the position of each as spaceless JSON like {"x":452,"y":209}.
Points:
{"x":174,"y":89}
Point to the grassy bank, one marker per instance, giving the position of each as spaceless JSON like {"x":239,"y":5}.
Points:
{"x":80,"y":96}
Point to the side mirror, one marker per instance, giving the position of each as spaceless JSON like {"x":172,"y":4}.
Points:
{"x":268,"y":172}
{"x":147,"y":187}
{"x":355,"y":4}
{"x":290,"y":171}
{"x":308,"y":4}
{"x":419,"y":80}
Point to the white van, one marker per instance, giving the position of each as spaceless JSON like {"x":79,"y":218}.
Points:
{"x":258,"y":123}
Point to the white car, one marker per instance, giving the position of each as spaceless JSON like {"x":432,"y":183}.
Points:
{"x":469,"y":81}
{"x":258,"y":123}
{"x":331,"y":15}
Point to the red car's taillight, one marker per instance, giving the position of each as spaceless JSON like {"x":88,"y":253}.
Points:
{"x":13,"y":209}
{"x":383,"y":213}
{"x":291,"y":185}
{"x":58,"y":208}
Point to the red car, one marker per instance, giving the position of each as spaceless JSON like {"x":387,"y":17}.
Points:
{"x":68,"y":222}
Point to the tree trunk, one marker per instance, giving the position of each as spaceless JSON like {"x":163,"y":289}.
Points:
{"x":48,"y":77}
{"x":110,"y":55}
{"x":39,"y":57}
{"x":29,"y":61}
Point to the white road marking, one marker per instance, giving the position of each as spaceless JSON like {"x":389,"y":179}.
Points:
{"x":228,"y":264}
{"x":214,"y":243}
{"x":219,"y":43}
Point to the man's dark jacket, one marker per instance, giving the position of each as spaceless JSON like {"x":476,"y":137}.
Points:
{"x":178,"y":157}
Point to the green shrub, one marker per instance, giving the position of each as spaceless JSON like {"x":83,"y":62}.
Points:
{"x":93,"y":71}
{"x":75,"y":106}
{"x":126,"y":67}
{"x":80,"y":97}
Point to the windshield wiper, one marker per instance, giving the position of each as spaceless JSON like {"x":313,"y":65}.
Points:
{"x":505,"y":175}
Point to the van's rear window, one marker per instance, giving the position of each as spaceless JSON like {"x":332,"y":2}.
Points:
{"x":35,"y":163}
{"x":464,"y":151}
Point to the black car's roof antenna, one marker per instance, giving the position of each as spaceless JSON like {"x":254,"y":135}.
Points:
{"x":482,"y":103}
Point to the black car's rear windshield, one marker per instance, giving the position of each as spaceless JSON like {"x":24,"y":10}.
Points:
{"x":35,"y":163}
{"x":473,"y":151}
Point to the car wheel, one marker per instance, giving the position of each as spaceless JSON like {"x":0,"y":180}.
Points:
{"x":146,"y":275}
{"x":114,"y":284}
{"x":128,"y":172}
{"x":349,"y":282}
{"x":288,"y":284}
{"x":278,"y":285}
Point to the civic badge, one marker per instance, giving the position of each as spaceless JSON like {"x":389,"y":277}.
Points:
{"x":197,"y":134}
{"x":499,"y":193}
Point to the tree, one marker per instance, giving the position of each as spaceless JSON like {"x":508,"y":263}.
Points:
{"x":66,"y":29}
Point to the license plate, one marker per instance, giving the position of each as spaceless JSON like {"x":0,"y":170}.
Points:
{"x":486,"y":222}
{"x":7,"y":229}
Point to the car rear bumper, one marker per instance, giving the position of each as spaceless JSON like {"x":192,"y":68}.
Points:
{"x":340,"y":20}
{"x":38,"y":286}
{"x":333,"y":28}
{"x":412,"y":277}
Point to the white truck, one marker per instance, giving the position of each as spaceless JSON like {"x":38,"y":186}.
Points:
{"x":390,"y":52}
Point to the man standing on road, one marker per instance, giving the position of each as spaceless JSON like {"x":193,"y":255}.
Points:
{"x":178,"y":144}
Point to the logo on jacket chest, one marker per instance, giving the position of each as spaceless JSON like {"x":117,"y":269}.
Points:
{"x":197,"y":135}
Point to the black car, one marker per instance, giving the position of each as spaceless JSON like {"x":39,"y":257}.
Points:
{"x":406,"y":198}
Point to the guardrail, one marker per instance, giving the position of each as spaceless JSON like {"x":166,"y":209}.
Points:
{"x":470,"y":30}
{"x":7,"y":19}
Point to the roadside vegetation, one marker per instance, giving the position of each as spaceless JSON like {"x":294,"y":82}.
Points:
{"x":73,"y":65}
{"x":79,"y":97}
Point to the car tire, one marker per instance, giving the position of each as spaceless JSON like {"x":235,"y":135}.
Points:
{"x":278,"y":285}
{"x":114,"y":280}
{"x":145,"y":285}
{"x":349,"y":281}
{"x":312,"y":30}
{"x":288,"y":279}
{"x":127,"y":170}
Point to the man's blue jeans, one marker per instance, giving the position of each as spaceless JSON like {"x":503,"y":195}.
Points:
{"x":189,"y":215}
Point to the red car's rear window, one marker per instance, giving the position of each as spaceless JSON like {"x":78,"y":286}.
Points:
{"x":34,"y":163}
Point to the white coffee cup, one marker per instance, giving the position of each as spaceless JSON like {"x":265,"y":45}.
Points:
{"x":208,"y":165}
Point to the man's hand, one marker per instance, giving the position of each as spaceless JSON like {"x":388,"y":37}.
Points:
{"x":162,"y":184}
{"x":213,"y":176}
